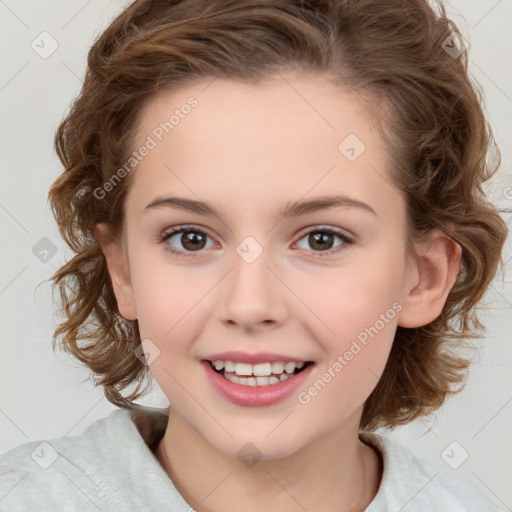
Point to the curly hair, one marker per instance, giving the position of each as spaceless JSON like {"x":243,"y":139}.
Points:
{"x":429,"y":114}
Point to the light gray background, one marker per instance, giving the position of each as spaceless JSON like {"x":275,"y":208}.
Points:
{"x":45,"y":395}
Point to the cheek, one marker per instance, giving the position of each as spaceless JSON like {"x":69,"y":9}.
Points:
{"x":167,"y":297}
{"x":170,"y":304}
{"x":352,"y":298}
{"x":358,"y":307}
{"x":363,"y":325}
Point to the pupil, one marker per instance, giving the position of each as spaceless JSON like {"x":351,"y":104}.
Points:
{"x":194,"y":239}
{"x":321,"y":240}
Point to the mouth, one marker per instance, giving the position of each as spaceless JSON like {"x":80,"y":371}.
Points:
{"x":260,"y":374}
{"x":255,"y":381}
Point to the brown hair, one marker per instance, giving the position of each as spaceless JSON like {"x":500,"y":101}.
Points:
{"x":429,"y":114}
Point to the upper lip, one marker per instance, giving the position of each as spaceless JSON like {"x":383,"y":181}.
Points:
{"x":260,"y":357}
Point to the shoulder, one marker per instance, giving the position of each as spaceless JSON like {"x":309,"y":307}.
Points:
{"x":41,"y":475}
{"x":67,"y":471}
{"x":109,"y":466}
{"x":412,"y":484}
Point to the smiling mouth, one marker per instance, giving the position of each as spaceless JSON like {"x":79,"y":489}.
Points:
{"x":261,"y":374}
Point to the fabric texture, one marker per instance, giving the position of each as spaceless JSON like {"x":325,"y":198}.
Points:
{"x":110,"y":467}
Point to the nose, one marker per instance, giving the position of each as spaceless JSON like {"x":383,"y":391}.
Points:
{"x":254,"y":298}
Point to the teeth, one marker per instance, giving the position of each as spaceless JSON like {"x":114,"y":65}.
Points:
{"x":262,"y":370}
{"x":243,"y":369}
{"x":289,"y":367}
{"x":261,"y":374}
{"x":277,"y":368}
{"x":251,"y":381}
{"x":256,"y":381}
{"x":232,"y":378}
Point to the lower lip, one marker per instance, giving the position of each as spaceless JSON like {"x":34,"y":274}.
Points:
{"x":255,"y":396}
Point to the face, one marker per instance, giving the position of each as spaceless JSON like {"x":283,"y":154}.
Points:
{"x":259,"y":230}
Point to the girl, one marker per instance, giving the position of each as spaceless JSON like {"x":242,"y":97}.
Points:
{"x":277,"y":212}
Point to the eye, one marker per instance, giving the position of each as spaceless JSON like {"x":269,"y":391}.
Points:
{"x":322,"y":240}
{"x":188,"y":239}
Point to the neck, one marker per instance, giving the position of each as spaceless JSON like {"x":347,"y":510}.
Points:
{"x":335,"y":473}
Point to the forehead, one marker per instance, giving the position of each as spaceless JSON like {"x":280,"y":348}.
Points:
{"x":261,"y":145}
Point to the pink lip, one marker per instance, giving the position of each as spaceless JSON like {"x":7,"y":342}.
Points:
{"x":254,"y":396}
{"x":262,"y":357}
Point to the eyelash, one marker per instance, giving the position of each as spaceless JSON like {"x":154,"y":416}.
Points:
{"x":347,"y":241}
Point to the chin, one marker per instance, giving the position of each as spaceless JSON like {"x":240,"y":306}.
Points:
{"x":250,"y":447}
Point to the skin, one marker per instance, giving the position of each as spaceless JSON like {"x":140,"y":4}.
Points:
{"x":249,"y":151}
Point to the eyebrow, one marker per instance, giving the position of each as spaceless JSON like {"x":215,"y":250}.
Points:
{"x":292,"y":209}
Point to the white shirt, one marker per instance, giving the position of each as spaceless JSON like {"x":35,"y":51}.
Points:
{"x":110,"y":467}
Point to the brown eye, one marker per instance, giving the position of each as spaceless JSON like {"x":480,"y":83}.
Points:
{"x":323,"y":241}
{"x":192,"y":240}
{"x":184,"y":241}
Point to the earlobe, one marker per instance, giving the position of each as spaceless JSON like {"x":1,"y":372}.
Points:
{"x":430,"y":280}
{"x":118,"y":268}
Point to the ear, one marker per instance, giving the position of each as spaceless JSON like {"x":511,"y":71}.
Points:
{"x":429,"y":280}
{"x":119,"y":270}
